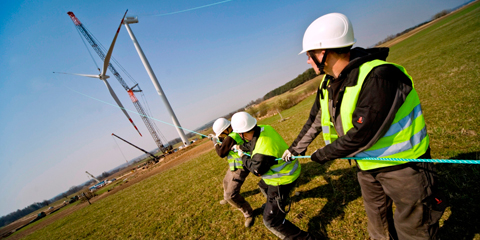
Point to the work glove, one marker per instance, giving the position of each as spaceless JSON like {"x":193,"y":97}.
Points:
{"x":319,"y":157}
{"x":238,"y":150}
{"x":287,"y":156}
{"x":213,"y":138}
{"x":210,"y":136}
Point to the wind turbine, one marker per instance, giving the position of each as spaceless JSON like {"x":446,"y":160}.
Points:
{"x":103,"y":75}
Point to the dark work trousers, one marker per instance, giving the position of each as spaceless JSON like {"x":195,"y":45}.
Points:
{"x":232,"y":183}
{"x":412,"y":191}
{"x":278,"y":197}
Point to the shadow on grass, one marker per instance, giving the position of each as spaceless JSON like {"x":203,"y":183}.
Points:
{"x":461,"y":183}
{"x":339,"y":192}
{"x":251,"y":192}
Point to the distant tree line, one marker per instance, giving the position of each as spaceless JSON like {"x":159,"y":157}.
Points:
{"x":104,"y":175}
{"x":390,"y":37}
{"x":305,"y":76}
{"x":440,"y":14}
{"x":13,"y":216}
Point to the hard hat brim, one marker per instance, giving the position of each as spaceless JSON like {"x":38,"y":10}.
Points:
{"x":217,"y":135}
{"x":327,"y":47}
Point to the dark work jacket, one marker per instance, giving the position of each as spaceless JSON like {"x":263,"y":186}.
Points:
{"x":260,"y":163}
{"x":224,"y":149}
{"x":375,"y":105}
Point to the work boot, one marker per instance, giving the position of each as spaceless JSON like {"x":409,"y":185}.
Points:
{"x":248,"y":222}
{"x":223,"y":201}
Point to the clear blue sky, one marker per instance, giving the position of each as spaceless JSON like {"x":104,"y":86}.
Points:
{"x":209,"y":61}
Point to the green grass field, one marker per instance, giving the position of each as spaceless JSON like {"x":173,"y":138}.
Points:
{"x":182,"y":203}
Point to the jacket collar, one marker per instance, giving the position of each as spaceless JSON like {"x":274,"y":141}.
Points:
{"x":359,"y":56}
{"x":251,"y":144}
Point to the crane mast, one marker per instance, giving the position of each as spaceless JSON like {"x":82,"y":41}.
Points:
{"x":130,"y":91}
{"x":93,"y":177}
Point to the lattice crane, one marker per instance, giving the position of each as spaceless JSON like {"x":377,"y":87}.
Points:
{"x":130,"y":90}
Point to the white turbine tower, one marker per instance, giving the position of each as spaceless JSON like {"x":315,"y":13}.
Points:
{"x":155,"y":82}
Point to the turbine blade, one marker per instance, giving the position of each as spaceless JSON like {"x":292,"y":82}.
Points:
{"x":110,"y":50}
{"x":83,"y":75}
{"x":120,"y":104}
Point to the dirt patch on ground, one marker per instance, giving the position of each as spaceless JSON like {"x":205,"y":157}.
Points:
{"x":195,"y":150}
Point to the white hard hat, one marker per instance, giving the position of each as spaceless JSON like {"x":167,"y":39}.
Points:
{"x":332,"y":30}
{"x":243,"y":122}
{"x":220,"y":125}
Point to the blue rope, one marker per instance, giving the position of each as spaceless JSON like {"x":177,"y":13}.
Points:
{"x":459,"y":161}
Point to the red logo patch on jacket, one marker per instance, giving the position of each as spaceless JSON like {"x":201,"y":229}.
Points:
{"x":360,"y":120}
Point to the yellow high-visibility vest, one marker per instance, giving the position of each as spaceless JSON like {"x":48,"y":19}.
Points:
{"x":272,"y":144}
{"x":234,"y":160}
{"x":407,"y":136}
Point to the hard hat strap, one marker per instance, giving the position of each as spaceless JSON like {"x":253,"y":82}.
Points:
{"x":320,"y":65}
{"x":227,"y":131}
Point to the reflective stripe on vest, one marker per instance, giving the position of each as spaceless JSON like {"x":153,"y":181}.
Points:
{"x":328,"y":130}
{"x":234,"y":160}
{"x":406,"y":137}
{"x":270,"y":143}
{"x":278,"y":174}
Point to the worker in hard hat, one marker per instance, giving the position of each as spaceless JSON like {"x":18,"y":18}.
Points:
{"x":367,"y":107}
{"x":225,"y":139}
{"x":278,"y":177}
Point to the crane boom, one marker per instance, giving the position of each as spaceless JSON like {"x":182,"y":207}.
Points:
{"x":136,"y":103}
{"x":96,"y":47}
{"x":141,"y":149}
{"x":93,"y":177}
